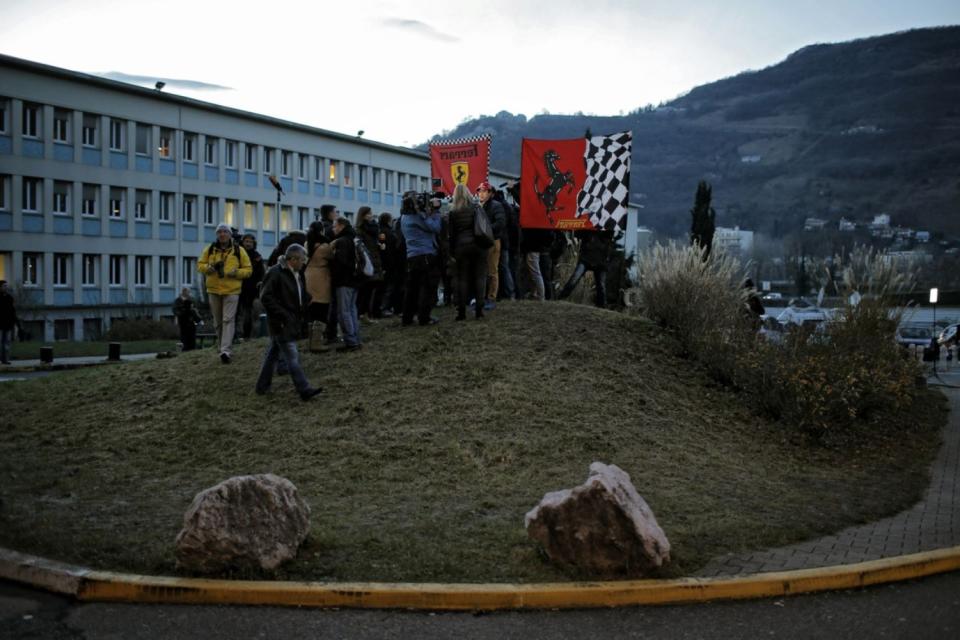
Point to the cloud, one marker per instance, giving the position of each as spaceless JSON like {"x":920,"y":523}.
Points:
{"x":420,"y":28}
{"x":193,"y":85}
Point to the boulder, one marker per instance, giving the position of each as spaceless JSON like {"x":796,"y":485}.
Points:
{"x":244,"y":522}
{"x":602,"y":528}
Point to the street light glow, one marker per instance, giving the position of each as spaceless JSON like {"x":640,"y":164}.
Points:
{"x":934,"y":294}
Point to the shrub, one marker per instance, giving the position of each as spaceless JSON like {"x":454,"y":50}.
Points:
{"x":131,"y":329}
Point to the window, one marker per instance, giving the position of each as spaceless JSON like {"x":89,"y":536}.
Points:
{"x":318,"y":169}
{"x":267,"y":217}
{"x":230,"y":212}
{"x":143,"y":139}
{"x":387,"y":180}
{"x":189,"y":142}
{"x":165,"y":277}
{"x":230,"y":154}
{"x":91,"y":267}
{"x":210,"y":211}
{"x":117,"y":197}
{"x":165,"y":147}
{"x":424,"y":184}
{"x":90,"y":130}
{"x":189,"y":203}
{"x":116,"y":134}
{"x":61,"y":269}
{"x":285,"y":159}
{"x":4,"y":188}
{"x":210,"y":151}
{"x":333,"y":171}
{"x":399,"y":182}
{"x":141,"y":208}
{"x":4,"y":110}
{"x":61,"y":125}
{"x":250,"y":161}
{"x":375,"y":179}
{"x":286,"y":219}
{"x":118,"y":265}
{"x":31,"y":194}
{"x":249,"y":215}
{"x":347,"y":173}
{"x":304,"y":166}
{"x":189,"y":268}
{"x":141,"y":271}
{"x":90,"y":199}
{"x":267,"y":160}
{"x":31,"y":269}
{"x":303,"y":215}
{"x":61,"y":197}
{"x":63,"y":329}
{"x":166,"y":207}
{"x":361,"y":177}
{"x":31,"y":120}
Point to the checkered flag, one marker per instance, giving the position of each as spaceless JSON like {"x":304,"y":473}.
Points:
{"x":606,"y":190}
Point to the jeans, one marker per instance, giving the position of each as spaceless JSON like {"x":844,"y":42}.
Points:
{"x":6,"y":338}
{"x":288,"y":351}
{"x":347,"y":315}
{"x":599,"y":279}
{"x":224,"y":310}
{"x":536,"y":279}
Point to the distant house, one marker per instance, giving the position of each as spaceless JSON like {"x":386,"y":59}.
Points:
{"x":751,"y":159}
{"x":814,"y":224}
{"x":922,"y":236}
{"x":880,"y":227}
{"x":881,"y":220}
{"x":735,"y":241}
{"x":906,"y":257}
{"x":847,"y":225}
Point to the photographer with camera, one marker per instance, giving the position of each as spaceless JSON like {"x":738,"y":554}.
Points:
{"x":224,"y":265}
{"x":420,"y":224}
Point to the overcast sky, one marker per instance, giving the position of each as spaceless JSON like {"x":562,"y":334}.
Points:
{"x":402,"y":71}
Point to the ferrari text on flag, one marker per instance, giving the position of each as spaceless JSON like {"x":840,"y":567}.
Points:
{"x":464,"y":161}
{"x":583,"y":183}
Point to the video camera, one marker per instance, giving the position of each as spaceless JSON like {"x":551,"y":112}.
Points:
{"x":426,"y":201}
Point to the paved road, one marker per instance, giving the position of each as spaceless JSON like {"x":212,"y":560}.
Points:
{"x":928,"y":608}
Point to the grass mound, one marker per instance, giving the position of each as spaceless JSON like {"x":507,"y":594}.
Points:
{"x":425,"y":450}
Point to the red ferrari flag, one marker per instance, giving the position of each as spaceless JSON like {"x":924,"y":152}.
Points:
{"x":583,"y":183}
{"x":464,"y":161}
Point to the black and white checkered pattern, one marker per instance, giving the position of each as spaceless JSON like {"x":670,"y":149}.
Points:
{"x":606,"y":190}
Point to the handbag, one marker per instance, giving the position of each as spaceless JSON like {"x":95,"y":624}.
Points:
{"x":482,"y":230}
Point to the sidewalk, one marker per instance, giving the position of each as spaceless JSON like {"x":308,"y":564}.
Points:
{"x":18,"y":366}
{"x":932,"y":523}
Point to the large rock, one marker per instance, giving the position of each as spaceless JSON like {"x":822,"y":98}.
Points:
{"x":244,"y":522}
{"x":602,"y":528}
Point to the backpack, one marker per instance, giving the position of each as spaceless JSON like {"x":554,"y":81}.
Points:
{"x":363,"y":266}
{"x":482,"y":230}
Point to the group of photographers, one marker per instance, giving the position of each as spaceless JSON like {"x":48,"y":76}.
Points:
{"x":337,"y":273}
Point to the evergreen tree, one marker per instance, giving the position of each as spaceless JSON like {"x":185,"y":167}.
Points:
{"x":703,"y":219}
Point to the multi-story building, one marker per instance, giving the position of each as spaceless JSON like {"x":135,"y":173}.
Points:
{"x":109,"y":191}
{"x":735,"y":241}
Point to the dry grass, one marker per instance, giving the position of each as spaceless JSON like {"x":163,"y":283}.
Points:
{"x":426,"y":449}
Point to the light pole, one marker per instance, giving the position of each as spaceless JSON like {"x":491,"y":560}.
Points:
{"x":279,"y":187}
{"x":934,"y":295}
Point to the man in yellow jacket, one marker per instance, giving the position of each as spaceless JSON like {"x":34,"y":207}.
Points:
{"x":224,"y":264}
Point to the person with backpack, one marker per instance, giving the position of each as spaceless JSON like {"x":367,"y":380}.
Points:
{"x":224,"y":265}
{"x":469,"y":258}
{"x":347,"y":275}
{"x":420,"y":228}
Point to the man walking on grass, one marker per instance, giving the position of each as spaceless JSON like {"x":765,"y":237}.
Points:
{"x":284,"y":298}
{"x":225,"y":265}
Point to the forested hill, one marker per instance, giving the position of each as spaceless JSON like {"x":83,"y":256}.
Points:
{"x":852,"y":129}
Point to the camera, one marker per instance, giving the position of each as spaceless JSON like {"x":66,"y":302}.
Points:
{"x":218,"y":266}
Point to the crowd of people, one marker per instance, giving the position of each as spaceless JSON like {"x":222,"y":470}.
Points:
{"x":338,"y":274}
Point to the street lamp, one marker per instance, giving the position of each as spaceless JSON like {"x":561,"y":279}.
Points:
{"x":934,"y":295}
{"x":279,"y":187}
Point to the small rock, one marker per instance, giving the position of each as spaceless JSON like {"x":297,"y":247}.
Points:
{"x":244,"y":522}
{"x":602,"y":528}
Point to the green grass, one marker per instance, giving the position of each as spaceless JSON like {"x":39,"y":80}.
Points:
{"x":427,"y":447}
{"x":31,"y":350}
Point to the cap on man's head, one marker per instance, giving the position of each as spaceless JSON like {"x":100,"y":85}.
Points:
{"x":223,"y":226}
{"x":484,"y":186}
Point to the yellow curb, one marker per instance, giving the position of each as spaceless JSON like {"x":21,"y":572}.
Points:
{"x":89,"y":585}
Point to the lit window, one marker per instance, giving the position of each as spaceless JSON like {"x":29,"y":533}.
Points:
{"x":347,"y":173}
{"x":229,"y":212}
{"x":166,"y":143}
{"x":267,"y":217}
{"x":249,"y":215}
{"x":333,"y":171}
{"x":286,"y":219}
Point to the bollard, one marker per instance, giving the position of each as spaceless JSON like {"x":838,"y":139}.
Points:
{"x":46,"y":355}
{"x":113,"y":352}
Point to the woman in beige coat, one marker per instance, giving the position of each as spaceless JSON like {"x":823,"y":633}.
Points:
{"x":317,"y":273}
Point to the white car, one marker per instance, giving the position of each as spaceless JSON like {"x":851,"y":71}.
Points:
{"x":803,"y":313}
{"x":914,"y":334}
{"x":949,"y":334}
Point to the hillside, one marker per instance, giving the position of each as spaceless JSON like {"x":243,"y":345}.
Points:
{"x":851,"y":129}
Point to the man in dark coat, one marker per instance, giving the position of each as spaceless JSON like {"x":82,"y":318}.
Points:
{"x":346,"y":281}
{"x":595,"y":249}
{"x":285,"y":300}
{"x":498,"y":220}
{"x":8,"y":320}
{"x":187,"y":318}
{"x":250,"y":286}
{"x":293,"y":237}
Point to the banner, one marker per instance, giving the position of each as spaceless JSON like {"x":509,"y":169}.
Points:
{"x":464,"y":161}
{"x":583,"y":183}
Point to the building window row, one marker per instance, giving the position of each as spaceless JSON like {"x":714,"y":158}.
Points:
{"x":32,"y":273}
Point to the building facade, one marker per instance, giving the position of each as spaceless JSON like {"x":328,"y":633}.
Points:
{"x":109,"y":191}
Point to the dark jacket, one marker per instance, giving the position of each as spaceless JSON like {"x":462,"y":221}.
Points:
{"x":498,"y":219}
{"x":537,"y":240}
{"x":391,"y":258}
{"x":369,"y":232}
{"x":284,"y":307}
{"x":595,"y":248}
{"x":8,"y":312}
{"x":185,"y":311}
{"x":461,"y":228}
{"x":513,"y":226}
{"x":249,"y":287}
{"x":294,"y":237}
{"x":344,"y":264}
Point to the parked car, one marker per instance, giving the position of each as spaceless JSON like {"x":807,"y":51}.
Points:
{"x":914,"y":334}
{"x":772,"y":296}
{"x":803,"y":312}
{"x":949,"y":334}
